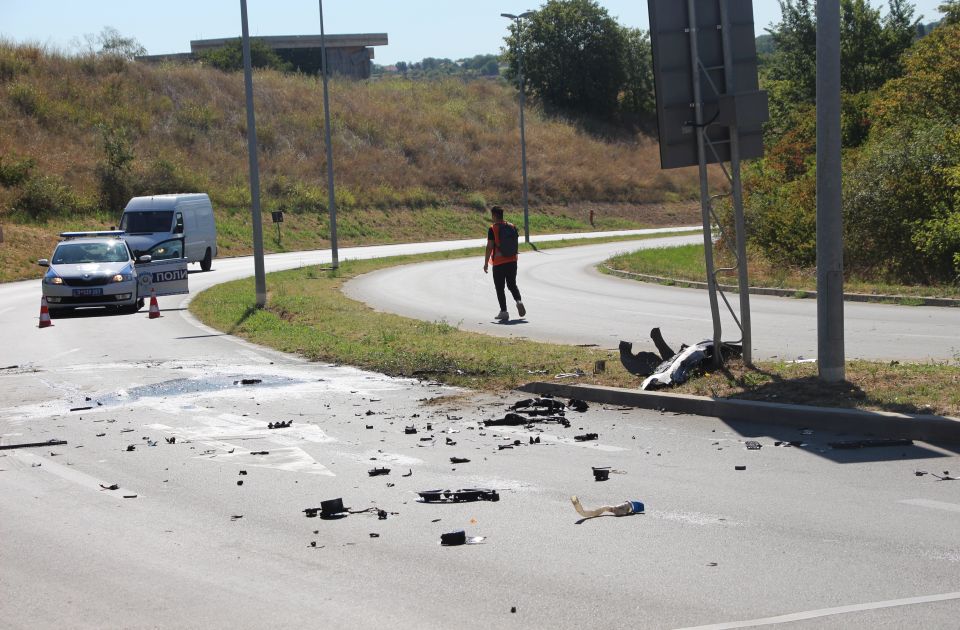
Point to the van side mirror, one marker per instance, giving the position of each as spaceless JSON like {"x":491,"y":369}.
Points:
{"x":179,"y":227}
{"x":43,"y":262}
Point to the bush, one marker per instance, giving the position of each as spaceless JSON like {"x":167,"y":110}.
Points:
{"x":46,"y":196}
{"x":164,"y":177}
{"x":16,"y":172}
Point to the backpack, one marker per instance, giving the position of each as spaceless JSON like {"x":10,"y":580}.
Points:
{"x":509,"y":240}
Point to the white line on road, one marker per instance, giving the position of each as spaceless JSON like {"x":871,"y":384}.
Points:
{"x":936,"y":505}
{"x":72,"y":475}
{"x":826,"y":612}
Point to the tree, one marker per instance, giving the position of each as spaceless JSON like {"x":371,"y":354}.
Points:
{"x":572,"y":57}
{"x":637,"y":95}
{"x":951,"y":11}
{"x":794,"y":61}
{"x":113,"y":43}
{"x":229,"y":57}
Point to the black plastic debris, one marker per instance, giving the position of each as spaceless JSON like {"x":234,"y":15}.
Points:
{"x":239,"y":482}
{"x":329,"y":508}
{"x":171,"y":439}
{"x":370,"y":412}
{"x":466,"y":495}
{"x":739,"y":467}
{"x":101,"y":434}
{"x":374,"y":535}
{"x":131,"y":447}
{"x":376,"y":472}
{"x":80,"y":408}
{"x":876,"y":443}
{"x":369,"y":426}
{"x":502,"y":447}
{"x":259,"y":452}
{"x":459,"y":460}
{"x":248,"y":381}
{"x":554,"y":406}
{"x":382,"y":515}
{"x":410,"y":430}
{"x":513,"y":609}
{"x":578,"y":405}
{"x":429,"y":426}
{"x":243,"y":472}
{"x":601,"y":473}
{"x":753,"y":445}
{"x":451,"y":442}
{"x":409,"y":473}
{"x":112,"y":486}
{"x":517,"y":420}
{"x":944,"y":477}
{"x":785,"y":444}
{"x":6,"y":447}
{"x":458,"y":537}
{"x":280,"y":425}
{"x":535,"y":440}
{"x":586,"y":437}
{"x":236,"y":517}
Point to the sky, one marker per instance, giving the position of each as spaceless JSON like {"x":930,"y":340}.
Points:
{"x":416,"y":28}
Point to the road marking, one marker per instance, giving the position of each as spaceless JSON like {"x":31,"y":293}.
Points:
{"x":936,"y":505}
{"x":71,"y":474}
{"x":826,"y":612}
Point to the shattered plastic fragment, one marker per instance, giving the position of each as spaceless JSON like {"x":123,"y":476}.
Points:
{"x":753,"y":445}
{"x":621,"y":509}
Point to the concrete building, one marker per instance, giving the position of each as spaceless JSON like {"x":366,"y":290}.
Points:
{"x":347,"y":55}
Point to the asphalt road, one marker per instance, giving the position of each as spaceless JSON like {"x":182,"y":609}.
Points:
{"x":809,"y":536}
{"x":569,"y":301}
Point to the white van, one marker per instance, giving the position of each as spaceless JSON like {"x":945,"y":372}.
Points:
{"x":149,"y":222}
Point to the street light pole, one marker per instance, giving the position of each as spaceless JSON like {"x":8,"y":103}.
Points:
{"x":335,"y":261}
{"x":258,"y":267}
{"x":523,"y":139}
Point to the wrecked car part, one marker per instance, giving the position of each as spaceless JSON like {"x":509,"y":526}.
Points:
{"x":375,"y":472}
{"x":6,"y":447}
{"x":739,"y":467}
{"x":248,"y":381}
{"x":753,"y":445}
{"x":466,"y":495}
{"x":586,"y":437}
{"x":621,"y":509}
{"x":542,"y":403}
{"x":459,"y":460}
{"x":410,"y":430}
{"x":259,"y":452}
{"x":409,"y":473}
{"x":601,"y":473}
{"x":517,"y":420}
{"x":578,"y":405}
{"x":459,"y":537}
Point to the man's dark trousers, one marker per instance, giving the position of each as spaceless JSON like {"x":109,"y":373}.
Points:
{"x":506,"y":274}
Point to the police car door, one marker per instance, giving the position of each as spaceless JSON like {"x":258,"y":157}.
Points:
{"x":166,"y":273}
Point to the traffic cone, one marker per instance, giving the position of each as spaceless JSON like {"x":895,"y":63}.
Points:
{"x":44,"y":313}
{"x":154,"y":307}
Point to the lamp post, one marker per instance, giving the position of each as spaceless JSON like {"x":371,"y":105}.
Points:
{"x":523,"y":140}
{"x":335,"y":262}
{"x":260,"y":281}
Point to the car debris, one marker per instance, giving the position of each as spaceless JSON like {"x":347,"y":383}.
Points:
{"x":459,"y":460}
{"x":626,"y":508}
{"x":280,"y":425}
{"x":376,"y":472}
{"x":513,"y":419}
{"x":112,"y":486}
{"x":236,"y":517}
{"x":739,"y":467}
{"x":875,"y":443}
{"x":259,"y":452}
{"x":131,"y":447}
{"x":466,"y":495}
{"x":374,"y":535}
{"x":578,"y":405}
{"x":409,"y":473}
{"x":410,"y":430}
{"x":753,"y":445}
{"x":459,"y":537}
{"x":601,"y":473}
{"x":543,"y":403}
{"x":6,"y":447}
{"x":80,"y":408}
{"x":171,"y":440}
{"x":451,"y":442}
{"x":586,"y":437}
{"x":535,"y":440}
{"x":248,"y":381}
{"x":945,"y":477}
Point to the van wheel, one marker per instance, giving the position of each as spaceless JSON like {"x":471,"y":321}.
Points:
{"x":207,"y":261}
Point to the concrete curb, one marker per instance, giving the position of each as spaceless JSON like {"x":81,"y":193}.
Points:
{"x":915,"y":427}
{"x":794,"y":293}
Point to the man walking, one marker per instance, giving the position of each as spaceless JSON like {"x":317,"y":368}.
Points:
{"x":502,"y":249}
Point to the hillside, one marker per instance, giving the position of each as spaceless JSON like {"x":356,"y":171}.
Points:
{"x":79,"y":135}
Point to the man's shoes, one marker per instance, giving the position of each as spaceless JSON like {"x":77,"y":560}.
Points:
{"x":520,"y":309}
{"x":503,"y":316}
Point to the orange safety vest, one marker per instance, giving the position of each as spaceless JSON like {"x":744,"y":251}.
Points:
{"x":496,"y":258}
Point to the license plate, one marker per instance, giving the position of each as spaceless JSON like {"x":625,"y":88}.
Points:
{"x":87,"y":292}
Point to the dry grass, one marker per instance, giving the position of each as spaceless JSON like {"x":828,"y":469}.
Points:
{"x":397,"y":143}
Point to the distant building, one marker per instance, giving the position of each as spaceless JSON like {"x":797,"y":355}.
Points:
{"x":348,"y":55}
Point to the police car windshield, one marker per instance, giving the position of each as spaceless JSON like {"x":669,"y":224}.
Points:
{"x":101,"y":252}
{"x":146,"y":221}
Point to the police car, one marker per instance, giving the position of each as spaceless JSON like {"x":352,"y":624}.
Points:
{"x":92,"y":269}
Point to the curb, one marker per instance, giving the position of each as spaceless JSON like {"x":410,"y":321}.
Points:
{"x":794,"y":293}
{"x":927,"y":428}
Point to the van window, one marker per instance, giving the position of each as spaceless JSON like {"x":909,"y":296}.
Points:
{"x":146,"y":221}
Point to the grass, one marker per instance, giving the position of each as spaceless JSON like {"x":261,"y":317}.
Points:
{"x":307,"y":314}
{"x":686,"y":263}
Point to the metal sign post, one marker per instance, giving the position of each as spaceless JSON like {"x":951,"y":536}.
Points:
{"x":710,"y":111}
{"x":331,"y":203}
